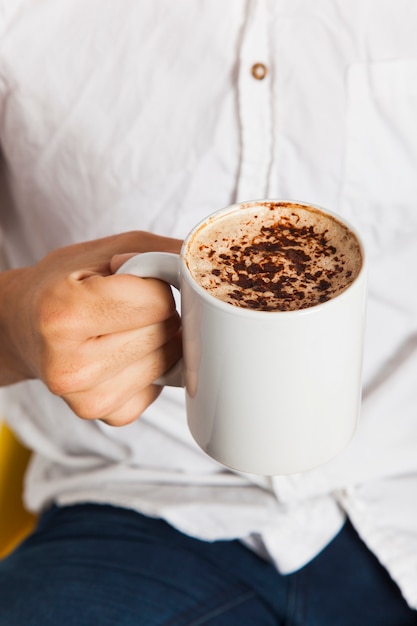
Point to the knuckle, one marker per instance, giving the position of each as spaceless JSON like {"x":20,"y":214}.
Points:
{"x":55,"y":313}
{"x":61,"y":383}
{"x":49,"y":316}
{"x":65,"y":376}
{"x":48,"y":319}
{"x":133,"y":409}
{"x":118,"y":420}
{"x":92,"y":406}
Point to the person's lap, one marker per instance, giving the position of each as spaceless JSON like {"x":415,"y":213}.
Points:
{"x":93,"y":564}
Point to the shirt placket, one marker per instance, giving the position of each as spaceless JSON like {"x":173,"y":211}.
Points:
{"x":255,"y":105}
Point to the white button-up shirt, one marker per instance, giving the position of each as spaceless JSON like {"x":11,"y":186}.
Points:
{"x":151,"y":115}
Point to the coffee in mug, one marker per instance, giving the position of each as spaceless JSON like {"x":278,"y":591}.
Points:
{"x":274,"y":256}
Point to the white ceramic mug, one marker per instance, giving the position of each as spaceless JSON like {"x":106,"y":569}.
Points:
{"x":266,"y":392}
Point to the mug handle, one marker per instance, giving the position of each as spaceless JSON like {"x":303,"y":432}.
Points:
{"x":164,"y":266}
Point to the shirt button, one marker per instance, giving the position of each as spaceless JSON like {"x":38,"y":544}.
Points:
{"x":259,"y":71}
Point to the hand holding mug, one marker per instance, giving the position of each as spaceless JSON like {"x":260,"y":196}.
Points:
{"x":96,"y":339}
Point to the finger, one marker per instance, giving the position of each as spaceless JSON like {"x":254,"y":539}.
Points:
{"x":130,"y":301}
{"x":134,"y":407}
{"x":97,"y":305}
{"x":94,"y":256}
{"x":105,"y":401}
{"x":100,"y":359}
{"x":141,"y":241}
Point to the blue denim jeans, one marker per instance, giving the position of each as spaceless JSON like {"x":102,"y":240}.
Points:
{"x":97,"y":565}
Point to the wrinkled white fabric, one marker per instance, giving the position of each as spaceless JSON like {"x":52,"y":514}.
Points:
{"x":118,"y":116}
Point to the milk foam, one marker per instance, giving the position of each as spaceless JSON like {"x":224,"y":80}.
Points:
{"x":274,"y":256}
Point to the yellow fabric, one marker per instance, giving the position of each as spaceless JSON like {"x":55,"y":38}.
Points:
{"x":15,"y":521}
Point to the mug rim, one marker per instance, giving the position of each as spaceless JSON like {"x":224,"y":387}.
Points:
{"x":245,"y":311}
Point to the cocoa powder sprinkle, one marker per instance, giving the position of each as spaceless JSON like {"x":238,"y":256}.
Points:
{"x":281,"y":262}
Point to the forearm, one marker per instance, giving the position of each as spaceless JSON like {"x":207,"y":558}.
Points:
{"x":12,"y":367}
